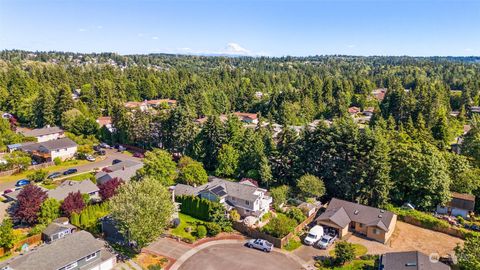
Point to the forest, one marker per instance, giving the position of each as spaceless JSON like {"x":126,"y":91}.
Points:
{"x":402,"y":155}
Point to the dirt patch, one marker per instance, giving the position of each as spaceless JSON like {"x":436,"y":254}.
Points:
{"x":146,"y":259}
{"x":409,"y":237}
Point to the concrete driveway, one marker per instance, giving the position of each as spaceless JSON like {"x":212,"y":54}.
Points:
{"x":237,"y":256}
{"x":168,"y":247}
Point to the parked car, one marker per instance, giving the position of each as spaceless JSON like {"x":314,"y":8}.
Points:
{"x":54,"y":175}
{"x":10,"y":190}
{"x":326,"y":241}
{"x":121,"y":148}
{"x":138,"y":155}
{"x":260,"y":244}
{"x":70,"y":171}
{"x":115,"y":161}
{"x":97,"y":148}
{"x":104,"y":145}
{"x":313,"y":235}
{"x":101,"y":152}
{"x":22,"y":182}
{"x":90,"y":158}
{"x":34,"y":162}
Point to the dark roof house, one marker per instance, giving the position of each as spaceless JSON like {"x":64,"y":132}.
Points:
{"x":410,"y":260}
{"x":58,"y":229}
{"x":124,"y":170}
{"x":67,"y":187}
{"x":42,"y":131}
{"x":76,"y":251}
{"x":363,"y":219}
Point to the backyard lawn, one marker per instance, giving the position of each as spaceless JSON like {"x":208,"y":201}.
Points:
{"x":186,"y":221}
{"x":360,"y":250}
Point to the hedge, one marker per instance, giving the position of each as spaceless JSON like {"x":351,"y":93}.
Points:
{"x":88,"y":218}
{"x":196,"y":206}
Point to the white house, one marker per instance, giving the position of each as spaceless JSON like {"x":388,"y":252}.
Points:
{"x":245,"y":197}
{"x":63,"y":148}
{"x":45,"y":134}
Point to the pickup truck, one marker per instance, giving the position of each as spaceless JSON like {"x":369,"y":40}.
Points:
{"x":260,"y":244}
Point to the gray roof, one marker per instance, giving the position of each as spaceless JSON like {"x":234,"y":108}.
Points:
{"x":42,"y":131}
{"x":57,"y":254}
{"x":343,"y":212}
{"x":49,"y":145}
{"x":54,"y":228}
{"x":410,"y":260}
{"x":221,"y":187}
{"x":124,"y":170}
{"x":58,"y":144}
{"x":62,"y":191}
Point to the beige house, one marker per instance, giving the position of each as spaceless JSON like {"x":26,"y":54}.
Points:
{"x":343,"y":216}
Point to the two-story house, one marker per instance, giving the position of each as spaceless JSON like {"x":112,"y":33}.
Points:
{"x":76,"y":251}
{"x":245,"y":197}
{"x":63,"y":148}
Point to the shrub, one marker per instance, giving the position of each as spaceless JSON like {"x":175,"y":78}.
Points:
{"x":57,"y":161}
{"x":279,"y":226}
{"x":344,"y":252}
{"x":37,"y":176}
{"x":201,"y":231}
{"x":73,"y":203}
{"x":296,"y":214}
{"x":280,"y":194}
{"x":195,"y":207}
{"x":234,"y":215}
{"x":213,"y":229}
{"x":155,"y":267}
{"x":427,"y":220}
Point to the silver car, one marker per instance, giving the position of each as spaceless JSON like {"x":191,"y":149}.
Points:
{"x":260,"y":244}
{"x":326,"y":241}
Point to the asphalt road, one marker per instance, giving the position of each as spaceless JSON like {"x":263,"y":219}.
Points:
{"x":111,"y":154}
{"x":238,"y":257}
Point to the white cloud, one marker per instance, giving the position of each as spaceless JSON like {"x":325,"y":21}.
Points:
{"x":140,"y":34}
{"x":99,"y":27}
{"x":155,"y":38}
{"x":351,"y":46}
{"x":82,"y":30}
{"x":469,"y":50}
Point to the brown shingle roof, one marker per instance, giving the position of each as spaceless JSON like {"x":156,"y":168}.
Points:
{"x":343,"y":212}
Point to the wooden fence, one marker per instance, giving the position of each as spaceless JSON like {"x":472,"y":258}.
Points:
{"x":32,"y":167}
{"x":277,"y":242}
{"x":32,"y":240}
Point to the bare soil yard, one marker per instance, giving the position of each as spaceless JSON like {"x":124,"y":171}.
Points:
{"x":408,"y":237}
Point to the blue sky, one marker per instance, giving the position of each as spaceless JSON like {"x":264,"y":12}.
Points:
{"x":263,"y":27}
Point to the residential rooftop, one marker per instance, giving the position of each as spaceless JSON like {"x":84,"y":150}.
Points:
{"x":410,"y":260}
{"x":42,"y":131}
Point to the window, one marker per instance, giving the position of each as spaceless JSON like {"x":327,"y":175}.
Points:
{"x":360,"y":225}
{"x":91,"y":256}
{"x":376,"y":231}
{"x":70,"y":266}
{"x":247,"y":202}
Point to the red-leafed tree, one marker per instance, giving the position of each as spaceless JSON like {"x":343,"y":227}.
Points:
{"x":109,"y":188}
{"x":73,"y":203}
{"x":29,"y":201}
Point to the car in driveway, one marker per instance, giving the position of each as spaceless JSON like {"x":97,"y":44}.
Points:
{"x":121,"y":148}
{"x":22,"y":182}
{"x":104,"y":145}
{"x":90,"y":158}
{"x":260,"y":244}
{"x":326,"y":241}
{"x":70,"y":171}
{"x":101,"y":152}
{"x":54,"y":175}
{"x":313,"y":235}
{"x":138,"y":155}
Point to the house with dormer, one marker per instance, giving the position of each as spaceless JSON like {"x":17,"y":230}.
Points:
{"x":344,"y":217}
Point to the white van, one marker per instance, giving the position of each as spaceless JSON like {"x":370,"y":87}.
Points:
{"x":313,"y":235}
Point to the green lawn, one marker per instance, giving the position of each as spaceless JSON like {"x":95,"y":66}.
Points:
{"x":80,"y":177}
{"x":292,"y":245}
{"x":359,"y":250}
{"x":65,"y":165}
{"x":186,"y":221}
